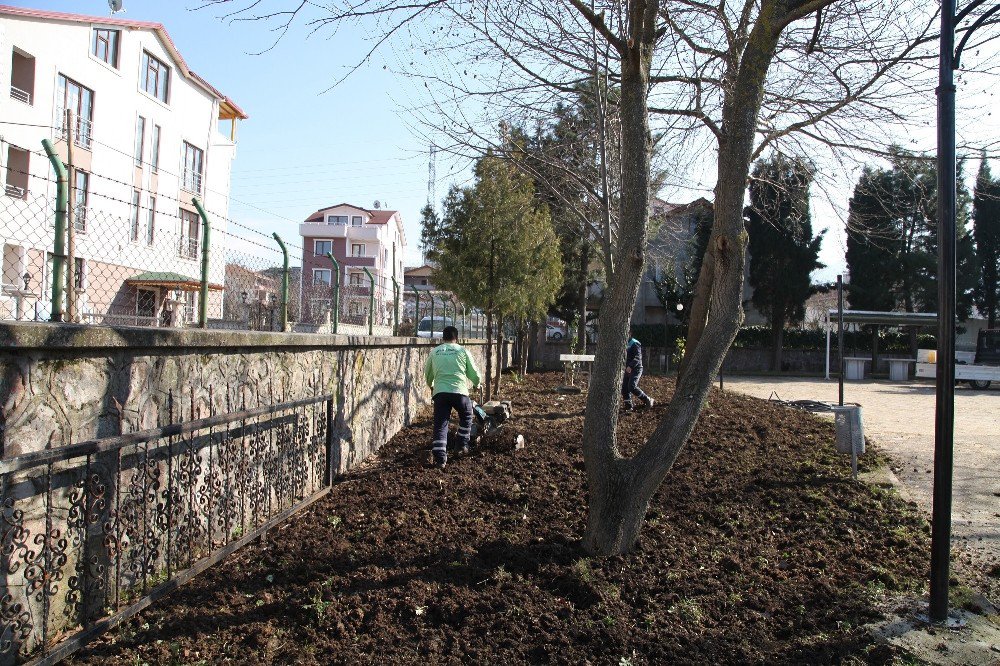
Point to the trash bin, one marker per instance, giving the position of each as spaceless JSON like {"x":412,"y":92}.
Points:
{"x":850,"y":429}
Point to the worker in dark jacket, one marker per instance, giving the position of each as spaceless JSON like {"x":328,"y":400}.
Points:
{"x":633,"y":371}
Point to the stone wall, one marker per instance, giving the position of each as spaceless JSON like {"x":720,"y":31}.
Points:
{"x":65,"y":383}
{"x":88,"y":535}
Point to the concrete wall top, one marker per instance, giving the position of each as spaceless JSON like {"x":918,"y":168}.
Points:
{"x":18,"y":336}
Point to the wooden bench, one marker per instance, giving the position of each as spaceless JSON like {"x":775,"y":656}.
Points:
{"x":570,"y":367}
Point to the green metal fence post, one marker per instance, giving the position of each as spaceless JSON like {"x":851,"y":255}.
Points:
{"x":454,"y":312}
{"x":416,"y":309}
{"x":283,"y":319}
{"x":431,"y":294}
{"x":395,"y":306}
{"x":465,"y":321}
{"x":206,"y":239}
{"x":335,"y":285}
{"x":371,"y":299}
{"x":59,"y":244}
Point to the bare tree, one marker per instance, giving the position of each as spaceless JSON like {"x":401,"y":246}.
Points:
{"x":736,"y":78}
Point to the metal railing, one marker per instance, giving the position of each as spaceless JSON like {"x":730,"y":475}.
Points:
{"x":95,"y":531}
{"x":84,"y":129}
{"x":191,"y":180}
{"x":20,"y":95}
{"x":188,"y":247}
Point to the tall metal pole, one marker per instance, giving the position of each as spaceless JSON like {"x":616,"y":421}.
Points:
{"x":371,"y":299}
{"x":59,"y":242}
{"x":840,"y":335}
{"x":206,"y":247}
{"x":335,"y":287}
{"x":944,"y":421}
{"x":283,"y":317}
{"x":431,"y":294}
{"x":416,"y":309}
{"x":71,"y":214}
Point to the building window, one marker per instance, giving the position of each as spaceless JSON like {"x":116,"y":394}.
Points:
{"x":423,"y":282}
{"x":336,"y":219}
{"x":190,"y":234}
{"x":151,"y":220}
{"x":357,"y":279}
{"x":134,"y":231}
{"x":154,"y":149}
{"x":194,"y":161}
{"x":140,"y":135}
{"x":81,"y":195}
{"x":104,"y":45}
{"x":16,"y":184}
{"x":80,"y":100}
{"x":357,"y":249}
{"x":322,"y":277}
{"x":322,"y":247}
{"x":356,"y":221}
{"x":79,"y":274}
{"x":354,"y":309}
{"x":155,"y":77}
{"x":22,"y":76}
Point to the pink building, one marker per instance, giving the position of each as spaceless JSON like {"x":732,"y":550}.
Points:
{"x":358,"y":238}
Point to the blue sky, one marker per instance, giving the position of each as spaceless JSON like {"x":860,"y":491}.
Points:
{"x":301,"y":149}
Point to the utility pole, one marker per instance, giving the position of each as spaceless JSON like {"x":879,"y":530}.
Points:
{"x":70,"y":222}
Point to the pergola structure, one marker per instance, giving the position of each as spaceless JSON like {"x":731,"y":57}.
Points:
{"x":834,"y":317}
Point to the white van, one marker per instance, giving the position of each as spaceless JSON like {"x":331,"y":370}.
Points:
{"x":424,"y":327}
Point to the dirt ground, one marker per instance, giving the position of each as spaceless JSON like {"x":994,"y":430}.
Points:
{"x":900,"y":417}
{"x":758,"y":549}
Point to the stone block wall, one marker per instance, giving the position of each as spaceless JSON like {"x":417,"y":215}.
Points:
{"x":83,"y":536}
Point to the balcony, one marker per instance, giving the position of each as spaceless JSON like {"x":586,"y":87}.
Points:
{"x":84,"y":129}
{"x":22,"y":96}
{"x":324,"y":230}
{"x":188,"y":248}
{"x":191,"y":180}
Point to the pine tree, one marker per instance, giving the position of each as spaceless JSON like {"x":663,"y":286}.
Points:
{"x":783,"y":251}
{"x":495,"y":248}
{"x":986,"y":232}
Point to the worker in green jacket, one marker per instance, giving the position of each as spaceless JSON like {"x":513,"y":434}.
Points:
{"x":449,"y":372}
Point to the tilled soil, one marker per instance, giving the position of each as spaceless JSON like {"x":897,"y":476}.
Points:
{"x":757,"y":549}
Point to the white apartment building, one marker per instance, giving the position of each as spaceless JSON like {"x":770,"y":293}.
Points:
{"x":149,"y":135}
{"x":358,"y":238}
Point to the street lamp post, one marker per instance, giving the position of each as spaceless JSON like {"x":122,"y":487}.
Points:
{"x":944,"y":416}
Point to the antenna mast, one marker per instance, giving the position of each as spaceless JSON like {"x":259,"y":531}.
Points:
{"x":431,"y":178}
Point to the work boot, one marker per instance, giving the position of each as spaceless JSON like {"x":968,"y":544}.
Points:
{"x":649,"y":402}
{"x":627,"y":407}
{"x":440,"y":462}
{"x":465,"y":450}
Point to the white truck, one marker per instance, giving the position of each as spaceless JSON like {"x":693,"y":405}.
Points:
{"x":979,"y":368}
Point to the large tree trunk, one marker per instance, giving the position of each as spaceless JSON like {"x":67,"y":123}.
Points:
{"x":581,"y":334}
{"x":487,"y":381}
{"x":777,"y":342}
{"x":620,"y":489}
{"x":499,"y":351}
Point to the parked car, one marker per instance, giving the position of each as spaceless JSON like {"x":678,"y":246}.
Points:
{"x":554,"y":332}
{"x":424,"y":327}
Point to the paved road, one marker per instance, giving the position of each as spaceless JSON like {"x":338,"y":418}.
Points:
{"x":900,"y":417}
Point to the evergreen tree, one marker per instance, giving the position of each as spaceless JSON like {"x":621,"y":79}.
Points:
{"x":495,"y":248}
{"x":783,"y":251}
{"x":986,"y":233}
{"x":892,"y":239}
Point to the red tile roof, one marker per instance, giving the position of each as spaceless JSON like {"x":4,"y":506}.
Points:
{"x":127,"y":23}
{"x":377,"y":216}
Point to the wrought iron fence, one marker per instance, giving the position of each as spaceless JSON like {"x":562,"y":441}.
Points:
{"x":94,"y":532}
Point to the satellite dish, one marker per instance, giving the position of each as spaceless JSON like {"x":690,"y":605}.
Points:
{"x":376,"y":205}
{"x":115,"y":6}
